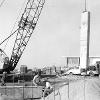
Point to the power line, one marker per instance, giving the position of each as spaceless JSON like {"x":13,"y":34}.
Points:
{"x":85,"y":5}
{"x":2,"y":3}
{"x":8,"y":37}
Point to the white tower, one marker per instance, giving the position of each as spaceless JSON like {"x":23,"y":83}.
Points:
{"x":84,"y":38}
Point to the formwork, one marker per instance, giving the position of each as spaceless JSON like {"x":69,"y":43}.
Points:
{"x":21,"y":92}
{"x":87,"y":88}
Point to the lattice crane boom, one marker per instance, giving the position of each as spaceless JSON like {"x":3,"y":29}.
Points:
{"x":25,"y":29}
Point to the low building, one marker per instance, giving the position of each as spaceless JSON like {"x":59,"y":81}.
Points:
{"x":23,"y":69}
{"x":75,"y":61}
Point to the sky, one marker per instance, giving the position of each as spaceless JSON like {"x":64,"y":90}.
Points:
{"x":57,"y":33}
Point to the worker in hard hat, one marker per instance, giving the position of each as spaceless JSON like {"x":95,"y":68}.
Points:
{"x":48,"y":88}
{"x":37,"y":79}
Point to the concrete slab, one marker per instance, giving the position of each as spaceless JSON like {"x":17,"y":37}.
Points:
{"x":86,"y":89}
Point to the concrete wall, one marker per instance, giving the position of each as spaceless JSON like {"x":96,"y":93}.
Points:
{"x":84,"y":39}
{"x":21,"y":92}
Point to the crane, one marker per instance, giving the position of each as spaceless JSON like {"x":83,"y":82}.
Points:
{"x":25,"y":29}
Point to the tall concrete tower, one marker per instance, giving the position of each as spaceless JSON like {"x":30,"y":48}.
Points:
{"x":84,"y":38}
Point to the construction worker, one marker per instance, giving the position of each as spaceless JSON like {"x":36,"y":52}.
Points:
{"x":3,"y":79}
{"x":37,"y":79}
{"x":48,"y":85}
{"x":48,"y":88}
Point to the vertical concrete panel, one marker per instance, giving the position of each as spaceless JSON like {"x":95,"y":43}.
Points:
{"x":64,"y":93}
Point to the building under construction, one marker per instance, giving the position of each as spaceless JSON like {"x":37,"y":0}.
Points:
{"x":69,"y":87}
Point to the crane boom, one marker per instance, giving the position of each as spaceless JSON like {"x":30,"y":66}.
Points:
{"x":25,"y":29}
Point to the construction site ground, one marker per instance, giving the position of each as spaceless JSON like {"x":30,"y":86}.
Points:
{"x":71,"y":87}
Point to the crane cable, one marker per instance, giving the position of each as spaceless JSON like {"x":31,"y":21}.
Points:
{"x":12,"y":33}
{"x":5,"y":45}
{"x":2,"y":3}
{"x":8,"y":37}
